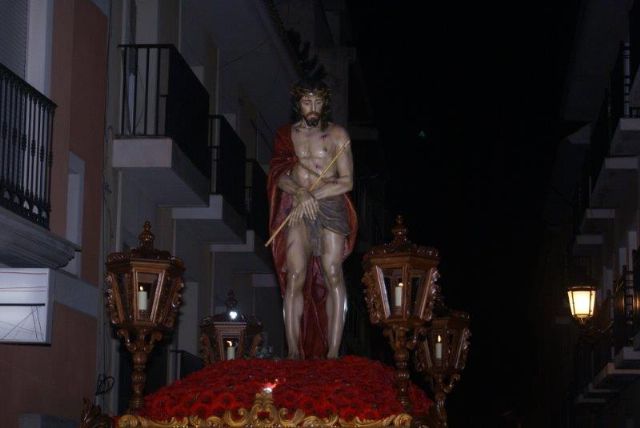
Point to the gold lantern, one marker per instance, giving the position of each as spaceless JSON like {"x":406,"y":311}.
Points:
{"x":143,"y":288}
{"x":400,"y":279}
{"x":442,"y":355}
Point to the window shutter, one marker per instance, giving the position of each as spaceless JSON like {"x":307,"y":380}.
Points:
{"x":13,"y":35}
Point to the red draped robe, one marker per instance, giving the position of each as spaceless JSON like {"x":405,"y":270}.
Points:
{"x":313,"y":341}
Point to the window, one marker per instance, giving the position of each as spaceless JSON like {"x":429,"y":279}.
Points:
{"x":14,"y":33}
{"x":75,"y":202}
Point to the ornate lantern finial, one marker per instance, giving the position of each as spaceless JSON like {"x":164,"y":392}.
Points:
{"x":231,"y":303}
{"x":145,"y":239}
{"x":400,"y":231}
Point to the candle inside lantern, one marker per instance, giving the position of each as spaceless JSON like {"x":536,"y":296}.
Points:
{"x":439,"y":348}
{"x":143,"y":301}
{"x":231,"y":350}
{"x":398,"y":295}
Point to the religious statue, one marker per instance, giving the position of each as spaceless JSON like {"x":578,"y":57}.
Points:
{"x":312,"y":222}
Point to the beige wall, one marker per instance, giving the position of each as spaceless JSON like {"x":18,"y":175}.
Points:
{"x":88,"y":94}
{"x":61,"y":66}
{"x":53,"y":379}
{"x":79,"y":88}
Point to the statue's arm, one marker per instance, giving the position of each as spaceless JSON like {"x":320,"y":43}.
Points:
{"x":343,"y":183}
{"x":304,"y":204}
{"x":286,"y":184}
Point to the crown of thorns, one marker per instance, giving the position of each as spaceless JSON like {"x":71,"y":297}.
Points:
{"x":299,"y":92}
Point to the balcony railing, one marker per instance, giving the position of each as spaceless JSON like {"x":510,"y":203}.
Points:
{"x":26,"y":128}
{"x":162,"y":97}
{"x":620,"y":86}
{"x":625,"y":312}
{"x":601,"y":136}
{"x":634,"y":37}
{"x":582,"y":196}
{"x":603,"y":324}
{"x":229,"y":162}
{"x":615,"y":106}
{"x":634,"y":277}
{"x":257,"y":200}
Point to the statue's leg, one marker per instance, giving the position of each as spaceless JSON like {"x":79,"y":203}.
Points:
{"x":333,"y":247}
{"x":298,"y":251}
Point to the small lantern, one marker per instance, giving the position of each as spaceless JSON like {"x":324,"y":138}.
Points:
{"x":442,"y":355}
{"x":143,"y":298}
{"x":400,"y":279}
{"x":224,"y":335}
{"x":582,"y":300}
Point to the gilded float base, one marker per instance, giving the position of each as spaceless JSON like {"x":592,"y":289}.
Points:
{"x":264,"y":414}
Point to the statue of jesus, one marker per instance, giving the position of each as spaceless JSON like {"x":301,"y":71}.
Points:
{"x":310,"y":174}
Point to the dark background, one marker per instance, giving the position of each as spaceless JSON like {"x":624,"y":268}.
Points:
{"x":483,"y":83}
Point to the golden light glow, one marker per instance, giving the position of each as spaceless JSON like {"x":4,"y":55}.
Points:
{"x":582,"y":302}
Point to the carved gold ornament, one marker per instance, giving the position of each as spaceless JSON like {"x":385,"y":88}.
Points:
{"x":264,"y":414}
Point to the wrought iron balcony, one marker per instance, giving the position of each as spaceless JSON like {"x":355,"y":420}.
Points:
{"x":162,"y":97}
{"x":625,"y":311}
{"x":229,"y":163}
{"x":256,"y":200}
{"x":26,"y":128}
{"x":601,"y":135}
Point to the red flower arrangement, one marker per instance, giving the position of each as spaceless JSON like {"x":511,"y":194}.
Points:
{"x":349,"y":387}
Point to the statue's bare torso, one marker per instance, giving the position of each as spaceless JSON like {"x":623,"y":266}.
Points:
{"x":315,"y":149}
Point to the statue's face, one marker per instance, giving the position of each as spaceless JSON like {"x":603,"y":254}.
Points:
{"x":311,"y":109}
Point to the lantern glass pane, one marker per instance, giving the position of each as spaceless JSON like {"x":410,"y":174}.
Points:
{"x":230,"y":345}
{"x":394,"y":288}
{"x":416,"y":280}
{"x":581,"y":302}
{"x":147,"y":285}
{"x":126,"y":298}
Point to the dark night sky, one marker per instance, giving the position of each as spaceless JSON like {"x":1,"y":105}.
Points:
{"x":484,"y":82}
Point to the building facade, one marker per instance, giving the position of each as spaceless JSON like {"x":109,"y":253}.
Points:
{"x":52,"y":110}
{"x":113,"y":113}
{"x":592,"y":373}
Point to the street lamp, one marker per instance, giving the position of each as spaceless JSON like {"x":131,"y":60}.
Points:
{"x":582,"y":300}
{"x":143,"y":298}
{"x":400,"y":279}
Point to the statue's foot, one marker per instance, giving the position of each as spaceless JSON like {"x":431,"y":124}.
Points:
{"x":332,"y":355}
{"x":293,"y":356}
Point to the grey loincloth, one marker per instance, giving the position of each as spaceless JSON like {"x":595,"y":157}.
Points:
{"x":332,"y":215}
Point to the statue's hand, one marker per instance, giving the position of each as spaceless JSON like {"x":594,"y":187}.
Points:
{"x":306,"y":203}
{"x":296,"y":215}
